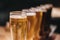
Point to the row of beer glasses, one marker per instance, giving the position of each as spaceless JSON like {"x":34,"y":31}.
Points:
{"x":26,"y":24}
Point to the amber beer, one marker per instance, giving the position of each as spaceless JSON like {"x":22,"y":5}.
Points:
{"x":18,"y":24}
{"x":39,"y":15}
{"x":38,"y":23}
{"x":47,"y":17}
{"x":31,"y":16}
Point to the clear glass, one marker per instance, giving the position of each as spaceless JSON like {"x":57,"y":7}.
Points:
{"x":31,"y":16}
{"x":38,"y":15}
{"x":18,"y":25}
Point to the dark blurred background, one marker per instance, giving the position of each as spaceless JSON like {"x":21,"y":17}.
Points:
{"x":20,"y":4}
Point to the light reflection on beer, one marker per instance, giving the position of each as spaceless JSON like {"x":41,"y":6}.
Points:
{"x":18,"y":23}
{"x":32,"y":23}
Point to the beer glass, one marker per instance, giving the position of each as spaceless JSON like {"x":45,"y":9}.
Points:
{"x":31,"y":16}
{"x":38,"y":23}
{"x":18,"y":25}
{"x":39,"y":15}
{"x":48,"y":15}
{"x":45,"y":29}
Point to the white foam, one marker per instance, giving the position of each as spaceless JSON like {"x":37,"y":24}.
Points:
{"x":17,"y":16}
{"x":31,"y":14}
{"x":38,"y":9}
{"x":42,"y":10}
{"x":48,"y":6}
{"x":43,"y":7}
{"x":32,"y":10}
{"x":25,"y":10}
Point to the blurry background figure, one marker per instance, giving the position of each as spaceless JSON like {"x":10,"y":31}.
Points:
{"x":4,"y":18}
{"x":55,"y":20}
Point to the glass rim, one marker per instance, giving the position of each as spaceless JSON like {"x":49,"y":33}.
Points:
{"x":18,"y":15}
{"x":42,"y":10}
{"x":15,"y":12}
{"x":31,"y":14}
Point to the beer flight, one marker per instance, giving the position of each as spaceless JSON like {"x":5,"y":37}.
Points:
{"x":28,"y":24}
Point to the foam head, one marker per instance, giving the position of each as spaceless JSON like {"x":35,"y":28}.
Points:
{"x":18,"y":15}
{"x":43,"y":7}
{"x":40,"y":9}
{"x":25,"y":10}
{"x":15,"y":12}
{"x":32,"y":9}
{"x":31,"y":14}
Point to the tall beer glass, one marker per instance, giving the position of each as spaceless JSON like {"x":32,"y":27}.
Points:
{"x":31,"y":16}
{"x":45,"y":30}
{"x":18,"y":25}
{"x":48,"y":16}
{"x":39,"y":15}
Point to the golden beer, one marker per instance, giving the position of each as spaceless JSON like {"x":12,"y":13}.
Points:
{"x":31,"y":25}
{"x":39,"y":15}
{"x":18,"y":24}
